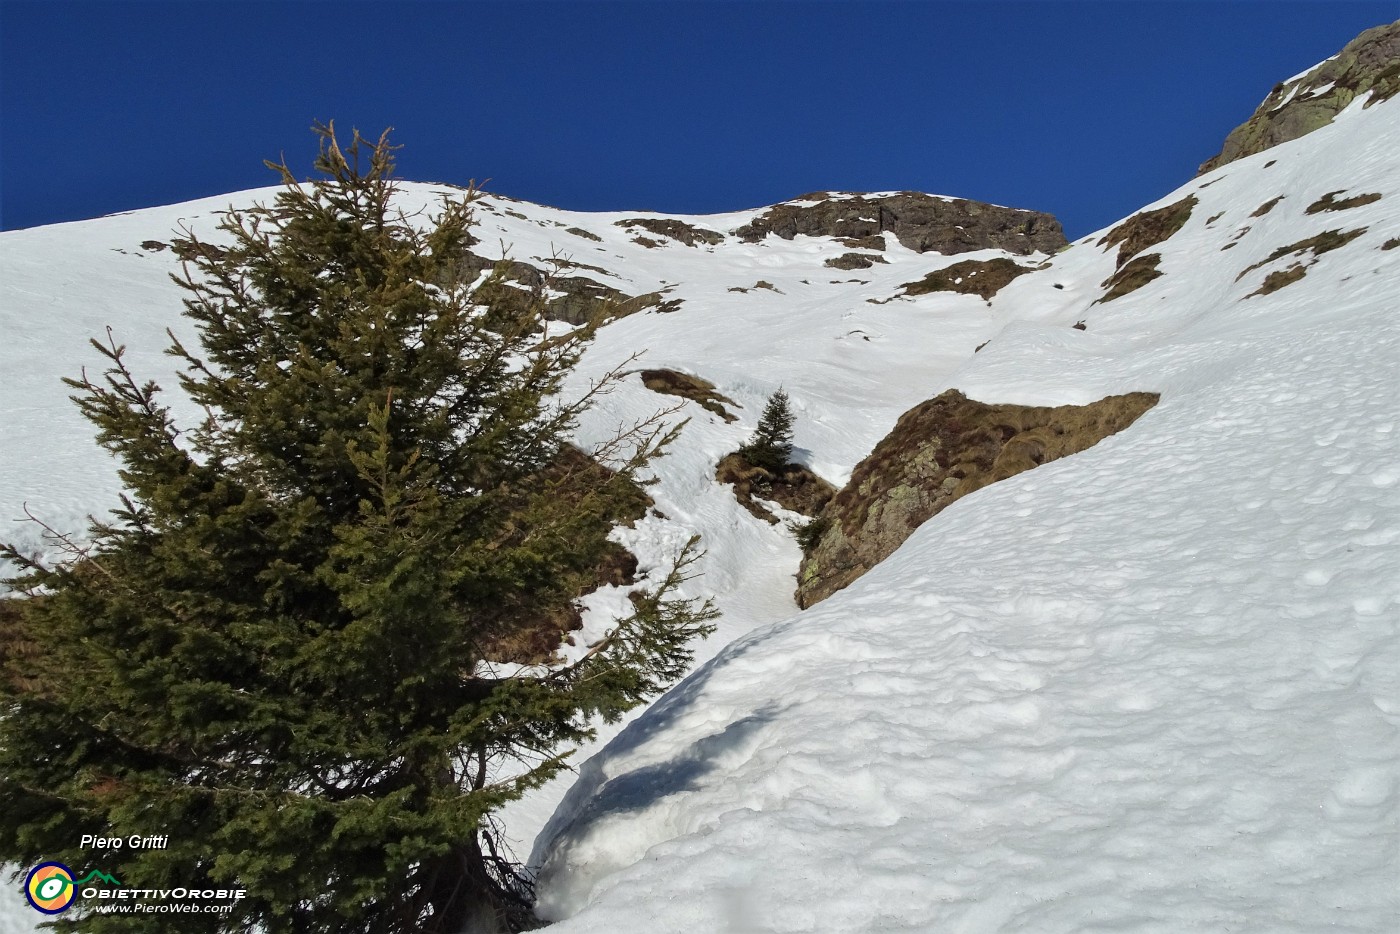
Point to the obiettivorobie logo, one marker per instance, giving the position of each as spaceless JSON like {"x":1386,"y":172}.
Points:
{"x":51,"y":888}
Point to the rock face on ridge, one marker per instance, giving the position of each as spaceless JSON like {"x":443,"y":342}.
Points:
{"x":938,"y":452}
{"x":918,"y":221}
{"x":573,"y":299}
{"x":1369,"y":64}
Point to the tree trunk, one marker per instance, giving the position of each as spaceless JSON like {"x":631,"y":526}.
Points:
{"x":466,"y":898}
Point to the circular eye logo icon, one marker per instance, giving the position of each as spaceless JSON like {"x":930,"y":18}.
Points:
{"x":50,"y":888}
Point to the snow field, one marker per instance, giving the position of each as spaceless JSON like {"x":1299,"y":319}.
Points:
{"x":1152,"y":687}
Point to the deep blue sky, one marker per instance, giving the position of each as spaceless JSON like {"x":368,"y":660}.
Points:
{"x":1087,"y":110}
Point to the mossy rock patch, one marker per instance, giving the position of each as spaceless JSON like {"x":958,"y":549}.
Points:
{"x":569,"y":298}
{"x":1368,"y":66}
{"x":1280,"y":278}
{"x":872,"y":242}
{"x":560,"y":264}
{"x":939,"y":452}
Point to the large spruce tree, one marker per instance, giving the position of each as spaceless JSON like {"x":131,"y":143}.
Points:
{"x":288,"y":650}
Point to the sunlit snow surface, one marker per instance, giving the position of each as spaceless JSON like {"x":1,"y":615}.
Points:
{"x":1152,"y":687}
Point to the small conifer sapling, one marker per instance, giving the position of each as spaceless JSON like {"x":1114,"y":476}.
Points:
{"x":771,"y":444}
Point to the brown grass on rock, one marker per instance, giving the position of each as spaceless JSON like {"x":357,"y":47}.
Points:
{"x":1149,"y":228}
{"x":1328,"y":201}
{"x":1137,"y":273}
{"x":793,"y":487}
{"x":984,"y":277}
{"x":701,"y":391}
{"x":1266,"y":207}
{"x":1280,"y":278}
{"x":1325,"y":242}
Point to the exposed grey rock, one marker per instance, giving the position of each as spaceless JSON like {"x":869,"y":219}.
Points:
{"x":1368,"y":65}
{"x":855,"y":261}
{"x":685,"y":233}
{"x":580,"y":297}
{"x":875,"y":242}
{"x":938,"y":452}
{"x":918,"y":221}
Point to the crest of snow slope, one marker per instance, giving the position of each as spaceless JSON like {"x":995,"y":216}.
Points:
{"x":1152,"y":687}
{"x":62,"y":285}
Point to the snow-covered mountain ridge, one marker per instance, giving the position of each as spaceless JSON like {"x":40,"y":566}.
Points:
{"x":65,"y":283}
{"x":1154,"y":686}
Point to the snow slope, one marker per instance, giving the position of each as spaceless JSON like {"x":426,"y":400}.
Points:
{"x":1154,"y":686}
{"x":851,"y":366}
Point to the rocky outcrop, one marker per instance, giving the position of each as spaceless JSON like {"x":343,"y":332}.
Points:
{"x":1148,"y":228}
{"x":855,"y":261}
{"x":792,"y":486}
{"x":984,"y":278}
{"x":1137,"y":233}
{"x":1325,"y":242}
{"x":570,"y":298}
{"x":938,"y":452}
{"x":1132,"y":276}
{"x":1368,"y":66}
{"x":1330,"y":202}
{"x":686,"y":386}
{"x":677,"y":230}
{"x":920,"y":222}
